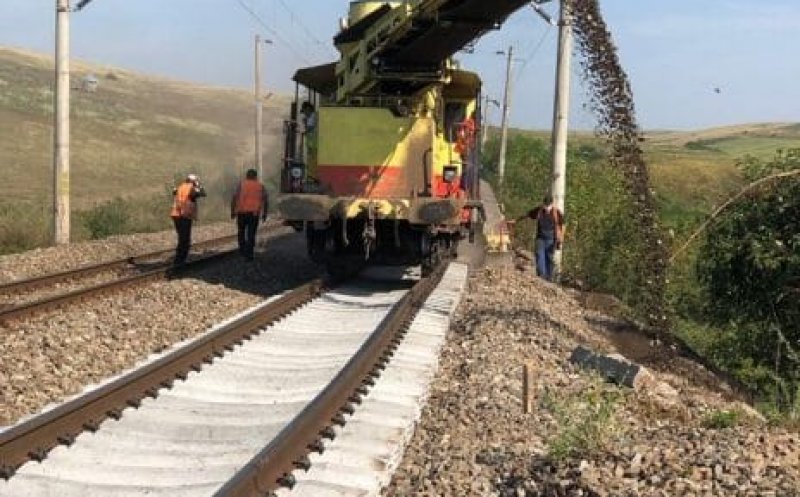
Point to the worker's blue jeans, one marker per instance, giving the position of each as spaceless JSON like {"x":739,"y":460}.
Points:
{"x":544,"y":258}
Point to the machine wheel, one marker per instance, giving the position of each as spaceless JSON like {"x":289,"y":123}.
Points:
{"x":433,"y":259}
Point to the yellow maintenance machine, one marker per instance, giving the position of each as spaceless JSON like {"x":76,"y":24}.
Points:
{"x":381,"y":161}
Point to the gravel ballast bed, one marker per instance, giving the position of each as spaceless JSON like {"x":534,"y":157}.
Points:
{"x":474,"y":438}
{"x":20,"y":297}
{"x":52,"y":356}
{"x":49,"y":260}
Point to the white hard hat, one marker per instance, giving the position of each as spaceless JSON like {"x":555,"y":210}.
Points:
{"x":192,"y":177}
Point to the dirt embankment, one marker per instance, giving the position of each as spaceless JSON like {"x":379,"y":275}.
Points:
{"x":683,"y":434}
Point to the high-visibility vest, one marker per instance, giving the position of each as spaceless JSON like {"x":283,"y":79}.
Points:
{"x":183,"y":206}
{"x":251,"y":197}
{"x":465,"y":138}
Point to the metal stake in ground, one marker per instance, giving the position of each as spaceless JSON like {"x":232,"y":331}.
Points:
{"x":527,"y":388}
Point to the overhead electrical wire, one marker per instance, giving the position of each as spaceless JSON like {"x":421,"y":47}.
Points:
{"x":275,"y":34}
{"x":532,"y":53}
{"x":315,"y":41}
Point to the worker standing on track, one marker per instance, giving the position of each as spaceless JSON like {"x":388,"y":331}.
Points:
{"x":184,"y":213}
{"x":549,"y":235}
{"x":249,"y":202}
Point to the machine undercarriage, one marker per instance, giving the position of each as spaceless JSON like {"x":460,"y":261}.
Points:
{"x":342,"y":242}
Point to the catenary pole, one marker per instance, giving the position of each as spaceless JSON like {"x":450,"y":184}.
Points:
{"x":561,"y":113}
{"x":61,"y":209}
{"x":501,"y":163}
{"x":485,"y":122}
{"x":259,"y":109}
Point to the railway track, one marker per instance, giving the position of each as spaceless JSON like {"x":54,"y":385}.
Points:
{"x":23,"y":298}
{"x":245,"y":417}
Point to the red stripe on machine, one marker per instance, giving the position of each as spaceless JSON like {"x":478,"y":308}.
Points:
{"x":364,"y":181}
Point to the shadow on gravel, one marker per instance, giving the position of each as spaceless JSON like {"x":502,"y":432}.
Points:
{"x":534,"y":476}
{"x":280,"y":264}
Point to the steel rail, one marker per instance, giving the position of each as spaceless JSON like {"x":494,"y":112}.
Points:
{"x":90,"y":270}
{"x":33,"y":439}
{"x":272,"y":468}
{"x":57,"y":301}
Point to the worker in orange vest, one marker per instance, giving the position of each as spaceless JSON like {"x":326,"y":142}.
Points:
{"x":249,"y":202}
{"x":465,"y":148}
{"x":465,"y":136}
{"x":184,"y":213}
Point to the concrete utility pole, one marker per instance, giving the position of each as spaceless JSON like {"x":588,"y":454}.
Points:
{"x":488,"y":102}
{"x":259,"y":110}
{"x":501,"y":163}
{"x":61,"y":212}
{"x":561,"y":113}
{"x":485,"y":122}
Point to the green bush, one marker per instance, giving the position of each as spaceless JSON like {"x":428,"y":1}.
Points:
{"x":702,"y":145}
{"x":721,"y":419}
{"x":24,"y":227}
{"x":749,"y":267}
{"x":602,"y":246}
{"x":107,"y":219}
{"x":586,"y":422}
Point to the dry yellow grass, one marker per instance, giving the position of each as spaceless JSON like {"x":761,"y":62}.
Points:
{"x":130,"y":138}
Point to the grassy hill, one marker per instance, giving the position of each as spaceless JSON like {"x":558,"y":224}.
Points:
{"x":131,"y":137}
{"x":130,"y":140}
{"x":693,"y":171}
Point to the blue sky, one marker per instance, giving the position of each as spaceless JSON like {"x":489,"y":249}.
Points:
{"x":675,"y":52}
